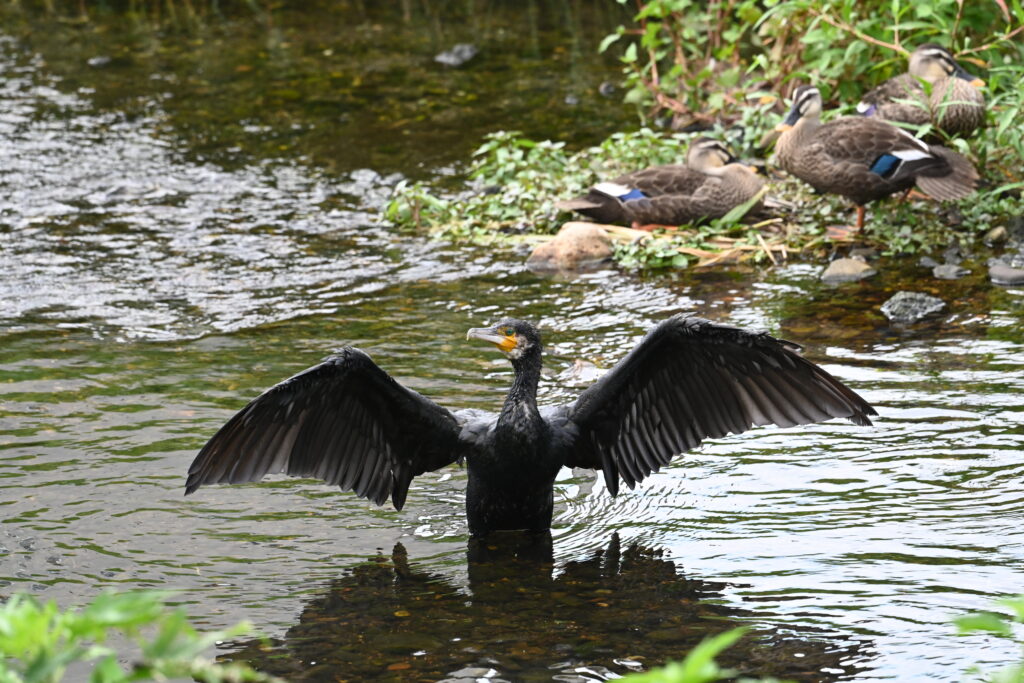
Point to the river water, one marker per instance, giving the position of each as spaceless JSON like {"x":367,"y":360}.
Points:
{"x":155,"y":275}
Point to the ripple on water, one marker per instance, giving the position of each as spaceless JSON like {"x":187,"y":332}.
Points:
{"x":104,"y":222}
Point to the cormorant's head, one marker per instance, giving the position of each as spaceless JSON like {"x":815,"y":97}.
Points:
{"x":514,"y":337}
{"x":806,"y":102}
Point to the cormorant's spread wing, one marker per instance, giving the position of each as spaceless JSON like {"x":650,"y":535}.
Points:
{"x":345,"y":421}
{"x":691,"y":379}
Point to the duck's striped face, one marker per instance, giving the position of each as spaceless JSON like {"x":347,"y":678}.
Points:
{"x":707,"y":153}
{"x":806,"y":102}
{"x":931,"y":63}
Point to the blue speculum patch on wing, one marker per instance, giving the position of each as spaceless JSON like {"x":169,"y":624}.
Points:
{"x":620,"y":192}
{"x":885,"y":164}
{"x":633,"y":194}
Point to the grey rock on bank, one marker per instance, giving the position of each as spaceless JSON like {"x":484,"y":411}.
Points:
{"x":846,"y":270}
{"x":577,"y":246}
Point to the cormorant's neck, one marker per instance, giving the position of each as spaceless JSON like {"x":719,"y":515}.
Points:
{"x":524,"y":386}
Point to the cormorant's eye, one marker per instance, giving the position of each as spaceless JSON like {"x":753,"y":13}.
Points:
{"x":508,"y":331}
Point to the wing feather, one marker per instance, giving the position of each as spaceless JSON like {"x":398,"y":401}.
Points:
{"x":344,"y":421}
{"x":692,"y":379}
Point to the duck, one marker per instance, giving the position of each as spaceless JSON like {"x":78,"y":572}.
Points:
{"x":347,"y":422}
{"x":709,"y":185}
{"x":952,"y":102}
{"x":865,"y":159}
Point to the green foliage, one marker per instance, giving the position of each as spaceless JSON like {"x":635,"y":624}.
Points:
{"x":843,"y":42}
{"x":656,"y":252}
{"x":38,"y":642}
{"x":686,"y":56}
{"x":1001,"y":625}
{"x":701,"y":61}
{"x":516,"y":183}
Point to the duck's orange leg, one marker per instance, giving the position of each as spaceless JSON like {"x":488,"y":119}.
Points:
{"x":912,"y":193}
{"x":846,"y":233}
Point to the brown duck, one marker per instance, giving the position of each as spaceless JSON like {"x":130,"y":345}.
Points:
{"x":955,"y":103}
{"x":864,"y":159}
{"x":710,"y":184}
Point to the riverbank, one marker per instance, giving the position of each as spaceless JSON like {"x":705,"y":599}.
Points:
{"x":516,"y":182}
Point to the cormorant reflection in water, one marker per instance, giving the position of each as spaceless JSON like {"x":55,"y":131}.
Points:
{"x":524,"y":619}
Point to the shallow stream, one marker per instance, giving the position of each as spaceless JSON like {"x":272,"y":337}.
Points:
{"x":155,"y":275}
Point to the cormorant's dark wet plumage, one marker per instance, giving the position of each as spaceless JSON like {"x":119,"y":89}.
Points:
{"x":347,"y":422}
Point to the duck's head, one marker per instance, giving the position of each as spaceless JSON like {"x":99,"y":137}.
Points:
{"x":705,"y":153}
{"x":512,"y":337}
{"x":806,"y":104}
{"x":931,"y":62}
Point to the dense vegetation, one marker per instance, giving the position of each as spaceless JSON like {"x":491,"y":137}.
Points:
{"x":724,"y":67}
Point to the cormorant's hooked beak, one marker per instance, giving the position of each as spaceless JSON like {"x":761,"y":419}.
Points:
{"x":488,"y":334}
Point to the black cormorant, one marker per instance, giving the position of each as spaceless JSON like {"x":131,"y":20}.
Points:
{"x":347,"y":422}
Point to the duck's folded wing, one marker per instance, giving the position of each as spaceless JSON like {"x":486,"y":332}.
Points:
{"x":659,"y":180}
{"x":691,"y":379}
{"x":344,"y":421}
{"x":903,"y":87}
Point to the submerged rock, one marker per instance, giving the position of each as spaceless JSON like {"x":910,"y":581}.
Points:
{"x":949,"y":271}
{"x":458,"y":55}
{"x":997,"y":235}
{"x":1005,"y":274}
{"x":909,"y":307}
{"x":577,"y":246}
{"x":953,"y":254}
{"x":847,"y":270}
{"x":950,"y":268}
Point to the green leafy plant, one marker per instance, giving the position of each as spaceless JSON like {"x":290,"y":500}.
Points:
{"x":686,"y":57}
{"x":38,"y":642}
{"x":654,"y":252}
{"x":1000,"y":624}
{"x":702,"y":62}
